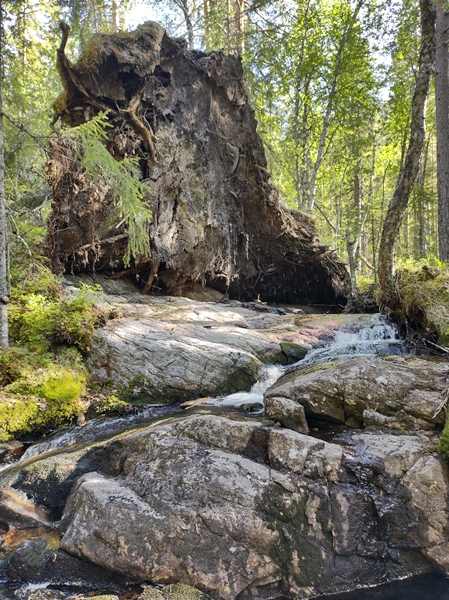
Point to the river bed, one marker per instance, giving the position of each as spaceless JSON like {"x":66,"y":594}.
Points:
{"x":374,"y":336}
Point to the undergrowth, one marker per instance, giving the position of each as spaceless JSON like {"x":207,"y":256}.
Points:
{"x":443,"y":444}
{"x":42,"y":374}
{"x":424,"y":294}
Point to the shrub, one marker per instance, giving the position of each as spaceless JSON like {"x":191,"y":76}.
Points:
{"x":38,"y":321}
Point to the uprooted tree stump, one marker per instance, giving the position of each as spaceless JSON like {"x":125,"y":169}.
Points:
{"x":217,"y":218}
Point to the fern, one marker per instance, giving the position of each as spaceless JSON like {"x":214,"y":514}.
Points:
{"x":121,"y":176}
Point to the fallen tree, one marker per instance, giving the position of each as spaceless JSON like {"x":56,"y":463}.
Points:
{"x":217,"y":218}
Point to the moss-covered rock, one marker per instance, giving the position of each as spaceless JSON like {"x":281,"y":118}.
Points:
{"x":150,"y":593}
{"x":424,"y":295}
{"x":40,"y":400}
{"x":180,"y":591}
{"x":111,"y":405}
{"x":443,"y":444}
{"x":102,"y":597}
{"x":293,"y":351}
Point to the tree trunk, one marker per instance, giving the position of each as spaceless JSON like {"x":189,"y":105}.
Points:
{"x":184,"y":6}
{"x":410,"y":168}
{"x":4,"y":295}
{"x":442,"y":125}
{"x":114,"y":24}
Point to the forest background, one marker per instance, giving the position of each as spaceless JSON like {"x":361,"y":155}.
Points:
{"x":331,"y":82}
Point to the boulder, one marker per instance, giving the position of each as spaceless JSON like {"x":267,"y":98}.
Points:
{"x":194,"y":502}
{"x":175,"y":348}
{"x":398,"y":392}
{"x":166,"y":362}
{"x":217,"y":217}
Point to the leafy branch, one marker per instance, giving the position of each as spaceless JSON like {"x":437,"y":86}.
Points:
{"x":122,"y":177}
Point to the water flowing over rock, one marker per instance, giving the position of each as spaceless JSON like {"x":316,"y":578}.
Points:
{"x":217,"y":218}
{"x":237,"y":506}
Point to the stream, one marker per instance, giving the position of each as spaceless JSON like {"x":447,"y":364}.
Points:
{"x":372,"y":335}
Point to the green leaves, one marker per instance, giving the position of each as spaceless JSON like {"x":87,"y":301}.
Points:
{"x":122,"y":177}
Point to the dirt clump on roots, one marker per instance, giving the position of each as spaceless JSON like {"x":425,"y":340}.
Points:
{"x":217,"y":217}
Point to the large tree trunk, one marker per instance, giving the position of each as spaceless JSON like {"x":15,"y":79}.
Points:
{"x":4,"y":294}
{"x":409,"y":171}
{"x":442,"y":122}
{"x":217,"y":218}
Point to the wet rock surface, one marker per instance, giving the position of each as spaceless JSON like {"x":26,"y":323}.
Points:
{"x":175,"y":348}
{"x":398,"y":392}
{"x":239,"y":507}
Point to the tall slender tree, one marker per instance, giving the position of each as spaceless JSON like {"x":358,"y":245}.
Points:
{"x":4,"y":293}
{"x":409,"y":171}
{"x":442,"y":124}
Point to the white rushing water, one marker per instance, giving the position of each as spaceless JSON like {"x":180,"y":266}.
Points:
{"x":367,"y":334}
{"x":362,"y":335}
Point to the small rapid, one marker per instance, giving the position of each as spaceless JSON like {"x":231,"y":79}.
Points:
{"x":356,"y":335}
{"x":367,"y":334}
{"x":362,"y":335}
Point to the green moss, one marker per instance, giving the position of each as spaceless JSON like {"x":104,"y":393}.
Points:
{"x":15,"y":363}
{"x":41,"y":400}
{"x":39,"y":321}
{"x":241,"y":379}
{"x":150,"y":593}
{"x":424,"y":294}
{"x":111,"y":405}
{"x":293,"y":351}
{"x":102,"y":597}
{"x":60,"y":104}
{"x":443,"y":444}
{"x":180,"y":591}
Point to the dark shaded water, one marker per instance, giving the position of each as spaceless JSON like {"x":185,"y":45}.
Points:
{"x":425,"y":587}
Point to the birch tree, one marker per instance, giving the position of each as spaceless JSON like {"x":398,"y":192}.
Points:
{"x":409,"y":171}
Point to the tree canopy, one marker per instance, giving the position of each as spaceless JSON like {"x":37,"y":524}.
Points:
{"x":331,"y":84}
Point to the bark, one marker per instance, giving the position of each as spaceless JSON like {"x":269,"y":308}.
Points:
{"x":442,"y":125}
{"x":183,"y":5}
{"x":420,"y":244}
{"x":409,"y":171}
{"x":217,"y":218}
{"x":4,"y":293}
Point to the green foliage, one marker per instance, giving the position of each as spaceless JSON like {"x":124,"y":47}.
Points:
{"x":443,"y":444}
{"x":38,"y":321}
{"x":424,"y":294}
{"x":39,"y":400}
{"x":40,"y":316}
{"x":121,"y":176}
{"x":111,"y":405}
